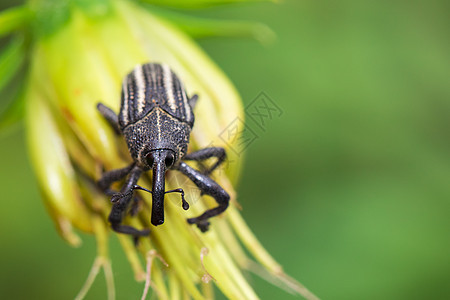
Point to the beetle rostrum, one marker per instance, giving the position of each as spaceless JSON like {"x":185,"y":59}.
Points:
{"x":156,"y":117}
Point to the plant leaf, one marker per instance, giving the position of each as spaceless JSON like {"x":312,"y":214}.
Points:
{"x":11,"y":59}
{"x":13,"y":18}
{"x":200,"y":27}
{"x":193,"y":4}
{"x":13,"y":113}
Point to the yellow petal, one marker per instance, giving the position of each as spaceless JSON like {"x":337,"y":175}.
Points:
{"x":51,"y":163}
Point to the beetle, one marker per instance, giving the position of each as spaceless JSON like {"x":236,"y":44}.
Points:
{"x":155,"y":118}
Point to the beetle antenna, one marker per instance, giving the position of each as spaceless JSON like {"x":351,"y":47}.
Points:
{"x":138,"y":187}
{"x":184,"y":203}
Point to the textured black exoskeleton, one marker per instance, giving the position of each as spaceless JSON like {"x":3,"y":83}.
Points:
{"x":156,"y":118}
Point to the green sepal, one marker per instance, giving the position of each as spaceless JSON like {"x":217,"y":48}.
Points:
{"x":14,"y":18}
{"x":201,"y":27}
{"x":50,"y":15}
{"x":94,"y":8}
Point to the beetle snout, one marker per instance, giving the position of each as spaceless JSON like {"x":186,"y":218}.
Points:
{"x":159,"y":161}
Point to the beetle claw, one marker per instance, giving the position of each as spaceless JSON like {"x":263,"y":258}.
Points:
{"x":202,"y":225}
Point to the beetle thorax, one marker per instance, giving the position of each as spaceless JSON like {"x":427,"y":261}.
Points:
{"x":157,"y":130}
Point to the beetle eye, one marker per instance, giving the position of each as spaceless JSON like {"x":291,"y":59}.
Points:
{"x":169,"y":160}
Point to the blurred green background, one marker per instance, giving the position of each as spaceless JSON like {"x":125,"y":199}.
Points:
{"x":348,"y":188}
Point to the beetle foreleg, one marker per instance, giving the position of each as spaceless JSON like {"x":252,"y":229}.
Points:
{"x":208,"y":153}
{"x":112,"y":176}
{"x":121,"y":202}
{"x":208,"y":187}
{"x":110,"y":116}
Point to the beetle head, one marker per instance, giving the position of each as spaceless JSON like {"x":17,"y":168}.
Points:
{"x":164,"y":157}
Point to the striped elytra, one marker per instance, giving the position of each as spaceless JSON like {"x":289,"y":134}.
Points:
{"x":149,"y":86}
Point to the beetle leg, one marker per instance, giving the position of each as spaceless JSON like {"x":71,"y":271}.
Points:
{"x":121,"y":202}
{"x":112,"y":176}
{"x":208,"y":187}
{"x":115,"y":175}
{"x":110,"y":116}
{"x":208,"y":153}
{"x":193,"y":101}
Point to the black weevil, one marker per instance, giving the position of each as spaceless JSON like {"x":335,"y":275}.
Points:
{"x":156,"y":118}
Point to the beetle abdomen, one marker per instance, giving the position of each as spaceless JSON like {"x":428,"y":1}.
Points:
{"x":149,"y":86}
